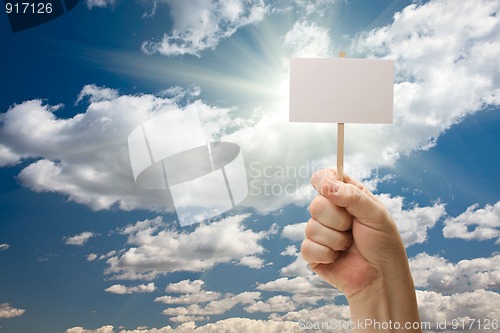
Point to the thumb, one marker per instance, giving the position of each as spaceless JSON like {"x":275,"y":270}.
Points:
{"x":358,"y":203}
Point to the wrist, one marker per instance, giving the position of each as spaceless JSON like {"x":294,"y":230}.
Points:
{"x":388,"y":304}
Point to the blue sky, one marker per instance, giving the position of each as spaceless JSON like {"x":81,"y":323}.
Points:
{"x":83,"y":250}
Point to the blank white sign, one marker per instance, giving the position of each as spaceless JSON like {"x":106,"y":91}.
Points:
{"x":341,"y":90}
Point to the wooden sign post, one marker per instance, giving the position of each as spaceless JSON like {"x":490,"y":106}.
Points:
{"x":340,"y":142}
{"x":341,"y":90}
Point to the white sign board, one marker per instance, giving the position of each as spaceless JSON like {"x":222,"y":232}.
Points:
{"x":341,"y":90}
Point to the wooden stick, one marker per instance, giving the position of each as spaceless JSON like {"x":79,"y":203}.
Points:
{"x":340,"y":141}
{"x":340,"y":151}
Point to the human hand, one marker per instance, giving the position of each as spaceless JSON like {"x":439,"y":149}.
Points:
{"x":351,"y":238}
{"x":353,"y":243}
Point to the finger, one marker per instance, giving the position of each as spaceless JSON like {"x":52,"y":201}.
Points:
{"x":321,"y":177}
{"x":356,"y":199}
{"x":350,"y":190}
{"x":330,"y":215}
{"x":349,"y":180}
{"x":358,"y":203}
{"x":315,"y":253}
{"x":335,"y":240}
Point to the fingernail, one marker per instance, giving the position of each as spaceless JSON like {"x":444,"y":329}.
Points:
{"x":333,"y":186}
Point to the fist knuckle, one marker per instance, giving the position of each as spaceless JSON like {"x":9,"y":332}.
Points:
{"x":315,"y":207}
{"x":310,"y":228}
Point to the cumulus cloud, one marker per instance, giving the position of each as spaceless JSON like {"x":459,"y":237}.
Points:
{"x":193,"y":293}
{"x":156,"y":249}
{"x":438,"y":274}
{"x":215,"y":307}
{"x":4,"y":247}
{"x":85,"y":157}
{"x":121,"y":289}
{"x":103,"y":329}
{"x":464,"y":307}
{"x":7,"y":311}
{"x":216,"y":303}
{"x":294,"y":232}
{"x":100,"y":3}
{"x":80,"y":239}
{"x":413,"y":223}
{"x":96,"y":94}
{"x":227,"y":325}
{"x":445,"y":66}
{"x":331,"y":313}
{"x":433,"y":307}
{"x":200,"y":25}
{"x":252,"y":262}
{"x":7,"y":157}
{"x":475,"y":223}
{"x":277,"y":303}
{"x":185,"y":287}
{"x":248,"y":325}
{"x":300,"y":282}
{"x":307,"y":39}
{"x":290,"y":250}
{"x":314,"y":6}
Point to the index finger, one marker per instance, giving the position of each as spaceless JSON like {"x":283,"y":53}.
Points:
{"x":321,"y":177}
{"x":358,"y":201}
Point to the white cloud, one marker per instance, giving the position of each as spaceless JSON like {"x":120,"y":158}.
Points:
{"x":299,"y":281}
{"x":199,"y":25}
{"x":290,"y":250}
{"x":121,"y":289}
{"x":96,"y":94}
{"x":475,"y":223}
{"x":445,"y":66}
{"x":277,"y":303}
{"x":79,"y":239}
{"x":314,"y":6}
{"x":7,"y":311}
{"x":252,"y":262}
{"x":91,"y":257}
{"x":86,"y":157}
{"x":306,"y":40}
{"x":248,"y":326}
{"x":193,"y":293}
{"x":4,"y":247}
{"x":331,"y":313}
{"x":194,"y":298}
{"x":7,"y":157}
{"x":215,"y":307}
{"x":185,"y":287}
{"x":294,"y":232}
{"x":227,"y":325}
{"x":413,"y":223}
{"x":100,"y":3}
{"x":435,"y":307}
{"x":437,"y":274}
{"x":156,"y":249}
